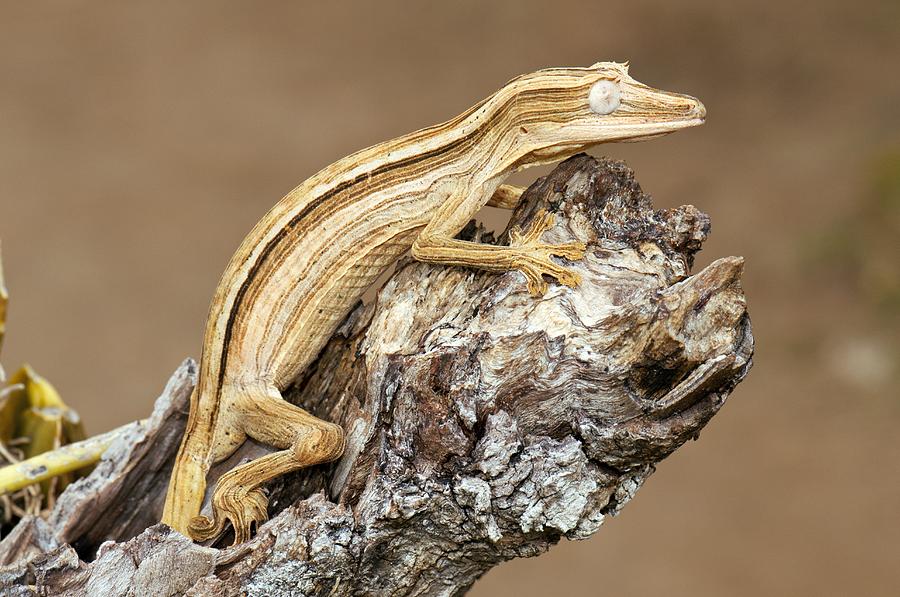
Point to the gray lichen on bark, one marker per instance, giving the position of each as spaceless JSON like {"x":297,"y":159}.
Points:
{"x":483,"y":424}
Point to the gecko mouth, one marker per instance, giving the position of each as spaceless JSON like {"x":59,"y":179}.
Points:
{"x":641,"y":131}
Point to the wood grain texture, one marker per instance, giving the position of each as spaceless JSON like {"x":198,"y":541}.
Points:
{"x":306,"y":263}
{"x":482,"y":424}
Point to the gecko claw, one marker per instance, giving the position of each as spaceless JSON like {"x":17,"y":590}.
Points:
{"x":536,"y":267}
{"x":241,"y":508}
{"x":202,"y":528}
{"x":535,"y":260}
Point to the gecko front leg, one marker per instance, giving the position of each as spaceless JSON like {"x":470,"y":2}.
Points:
{"x":525,"y":253}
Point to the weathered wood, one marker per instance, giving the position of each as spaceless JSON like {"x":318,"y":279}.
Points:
{"x":482,"y":424}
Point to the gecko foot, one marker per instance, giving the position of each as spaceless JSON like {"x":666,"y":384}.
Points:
{"x":235,"y":504}
{"x":534,"y":260}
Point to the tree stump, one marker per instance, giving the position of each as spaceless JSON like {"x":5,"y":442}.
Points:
{"x":483,"y":424}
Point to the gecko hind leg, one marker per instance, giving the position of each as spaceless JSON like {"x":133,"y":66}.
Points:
{"x":302,"y":439}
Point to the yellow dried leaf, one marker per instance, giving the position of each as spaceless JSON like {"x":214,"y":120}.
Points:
{"x":43,"y":428}
{"x":72,"y":427}
{"x":41,"y":394}
{"x":37,"y":413}
{"x":12,"y":404}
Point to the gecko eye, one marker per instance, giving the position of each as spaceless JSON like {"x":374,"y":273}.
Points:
{"x":604,"y":97}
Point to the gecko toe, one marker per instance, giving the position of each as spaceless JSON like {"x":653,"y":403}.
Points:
{"x":243,"y":508}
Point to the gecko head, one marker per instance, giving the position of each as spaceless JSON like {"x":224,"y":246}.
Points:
{"x":561,"y":111}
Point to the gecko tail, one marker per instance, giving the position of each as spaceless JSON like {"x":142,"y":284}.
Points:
{"x":187,"y":485}
{"x":187,"y":488}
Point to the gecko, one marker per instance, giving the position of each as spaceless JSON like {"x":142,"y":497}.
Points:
{"x":304,"y":266}
{"x":308,"y":261}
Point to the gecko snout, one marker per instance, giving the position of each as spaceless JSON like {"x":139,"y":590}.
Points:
{"x":700,"y":111}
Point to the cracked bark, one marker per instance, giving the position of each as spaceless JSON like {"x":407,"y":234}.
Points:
{"x":483,"y":424}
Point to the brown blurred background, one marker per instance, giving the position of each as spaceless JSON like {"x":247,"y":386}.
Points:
{"x":139,"y":142}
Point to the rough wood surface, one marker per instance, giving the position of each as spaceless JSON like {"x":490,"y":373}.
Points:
{"x":482,"y":424}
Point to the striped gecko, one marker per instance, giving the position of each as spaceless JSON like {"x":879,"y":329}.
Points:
{"x":302,"y":268}
{"x":309,"y":260}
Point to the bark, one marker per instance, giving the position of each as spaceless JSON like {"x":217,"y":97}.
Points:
{"x":483,"y":424}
